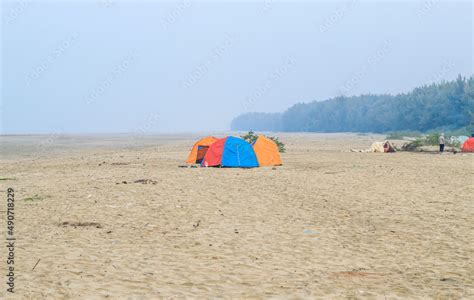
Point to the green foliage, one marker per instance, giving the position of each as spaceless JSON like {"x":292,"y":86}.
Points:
{"x":281,"y":146}
{"x":251,"y":137}
{"x":456,"y":144}
{"x":431,"y":139}
{"x":413,"y":146}
{"x":446,"y":105}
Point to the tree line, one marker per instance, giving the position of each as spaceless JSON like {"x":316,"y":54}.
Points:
{"x":447,"y":105}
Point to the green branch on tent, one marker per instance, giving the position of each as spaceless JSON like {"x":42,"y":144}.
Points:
{"x":251,"y":137}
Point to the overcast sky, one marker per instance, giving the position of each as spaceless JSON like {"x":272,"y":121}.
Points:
{"x":181,"y":66}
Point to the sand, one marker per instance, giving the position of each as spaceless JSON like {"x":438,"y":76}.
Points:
{"x":329,"y":223}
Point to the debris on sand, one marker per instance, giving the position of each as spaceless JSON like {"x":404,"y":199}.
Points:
{"x":146,"y":181}
{"x":360,"y":272}
{"x":34,"y":198}
{"x":119,"y":164}
{"x":115,"y":163}
{"x":142,"y":181}
{"x":7,"y":178}
{"x":36,"y":264}
{"x":81,"y":224}
{"x":310,"y":231}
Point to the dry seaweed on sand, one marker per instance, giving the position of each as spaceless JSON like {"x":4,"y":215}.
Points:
{"x":34,"y":198}
{"x":81,"y":224}
{"x":142,"y":181}
{"x":412,"y":146}
{"x":146,"y":181}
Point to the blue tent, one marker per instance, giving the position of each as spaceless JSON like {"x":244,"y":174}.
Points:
{"x":230,"y":152}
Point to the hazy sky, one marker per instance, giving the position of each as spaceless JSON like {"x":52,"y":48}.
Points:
{"x":181,"y":66}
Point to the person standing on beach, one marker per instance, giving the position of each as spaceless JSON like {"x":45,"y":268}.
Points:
{"x":441,"y":143}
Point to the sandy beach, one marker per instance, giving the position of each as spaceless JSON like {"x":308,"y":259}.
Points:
{"x":116,"y":217}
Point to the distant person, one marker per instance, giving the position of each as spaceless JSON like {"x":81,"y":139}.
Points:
{"x":441,"y":143}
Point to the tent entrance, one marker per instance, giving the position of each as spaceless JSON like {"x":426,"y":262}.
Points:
{"x":202,"y":150}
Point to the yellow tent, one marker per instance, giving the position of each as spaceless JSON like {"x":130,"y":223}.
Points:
{"x":267,"y":152}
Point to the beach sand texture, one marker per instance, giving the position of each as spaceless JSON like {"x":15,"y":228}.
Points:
{"x":328,"y":223}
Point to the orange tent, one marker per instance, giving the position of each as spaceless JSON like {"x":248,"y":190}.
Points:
{"x":267,"y":152}
{"x":199,"y":150}
{"x":468,"y":145}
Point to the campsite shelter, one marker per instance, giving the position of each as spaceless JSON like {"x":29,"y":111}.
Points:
{"x":230,"y":152}
{"x":267,"y":152}
{"x":468,"y":145}
{"x":199,"y":150}
{"x":382,"y":147}
{"x":388,"y":147}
